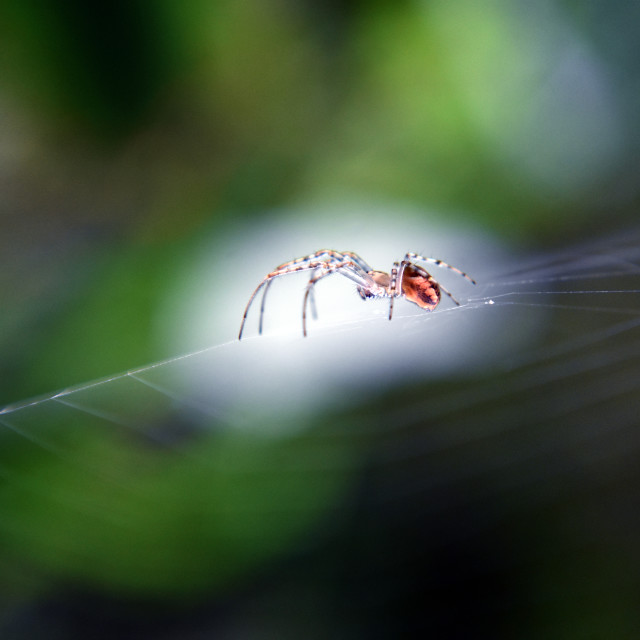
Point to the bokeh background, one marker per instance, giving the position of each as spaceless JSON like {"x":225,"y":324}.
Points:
{"x":136,"y":137}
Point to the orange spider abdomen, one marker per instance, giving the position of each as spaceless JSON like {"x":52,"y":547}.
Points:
{"x":420,"y":288}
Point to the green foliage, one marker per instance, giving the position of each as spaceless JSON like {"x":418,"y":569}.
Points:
{"x":107,"y":506}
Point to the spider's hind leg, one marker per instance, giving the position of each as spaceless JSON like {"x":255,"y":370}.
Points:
{"x":264,"y":296}
{"x":265,"y":282}
{"x":310,"y":299}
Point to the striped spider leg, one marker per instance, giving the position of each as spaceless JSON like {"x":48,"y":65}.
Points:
{"x":324,"y":255}
{"x":322,"y":263}
{"x":348,"y":268}
{"x":417,"y":285}
{"x":407,"y":280}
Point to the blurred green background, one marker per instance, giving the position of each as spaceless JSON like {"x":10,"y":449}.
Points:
{"x":131,"y":130}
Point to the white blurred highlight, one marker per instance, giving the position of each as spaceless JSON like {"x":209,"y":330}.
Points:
{"x":352,"y":349}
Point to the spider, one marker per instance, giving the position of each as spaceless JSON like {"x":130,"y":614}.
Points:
{"x":407,"y":280}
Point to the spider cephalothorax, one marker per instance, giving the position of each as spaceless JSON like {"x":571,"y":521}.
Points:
{"x":407,"y":280}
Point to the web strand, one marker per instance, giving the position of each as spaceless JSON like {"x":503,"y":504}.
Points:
{"x":552,"y":284}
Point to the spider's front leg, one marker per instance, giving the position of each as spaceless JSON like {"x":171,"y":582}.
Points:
{"x":395,"y":286}
{"x":410,"y":258}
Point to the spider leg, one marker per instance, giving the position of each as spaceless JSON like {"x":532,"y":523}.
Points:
{"x":443,"y":289}
{"x":327,"y":260}
{"x":264,"y":295}
{"x":301,"y":264}
{"x":324,"y":256}
{"x":308,"y":294}
{"x":429,"y":277}
{"x":357,"y":260}
{"x":415,"y":257}
{"x":265,"y":281}
{"x":312,"y":297}
{"x":347,"y":268}
{"x":394,"y":285}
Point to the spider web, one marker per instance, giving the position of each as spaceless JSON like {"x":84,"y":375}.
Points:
{"x":583,"y":297}
{"x":524,"y":398}
{"x":582,"y":302}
